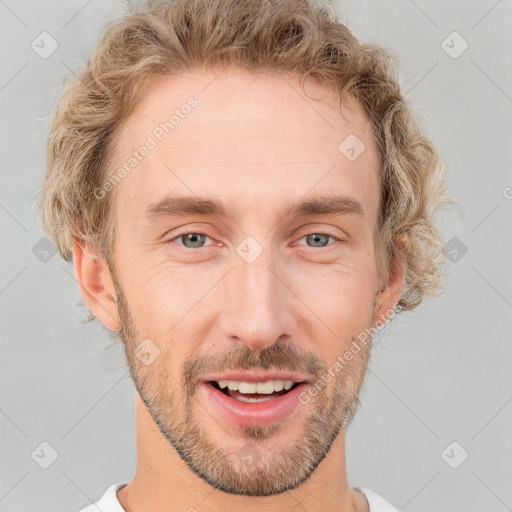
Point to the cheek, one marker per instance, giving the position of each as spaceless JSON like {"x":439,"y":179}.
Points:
{"x":342,"y":299}
{"x":162,"y":294}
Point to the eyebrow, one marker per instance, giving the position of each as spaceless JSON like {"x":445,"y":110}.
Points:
{"x":193,"y":205}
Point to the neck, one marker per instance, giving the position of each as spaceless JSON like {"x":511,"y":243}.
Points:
{"x":164,"y":483}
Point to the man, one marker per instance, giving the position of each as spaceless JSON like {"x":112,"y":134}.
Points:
{"x":245,"y":197}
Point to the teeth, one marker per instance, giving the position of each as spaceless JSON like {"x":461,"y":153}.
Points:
{"x":288,"y":384}
{"x":265,"y":388}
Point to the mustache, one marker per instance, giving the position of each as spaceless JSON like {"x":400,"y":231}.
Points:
{"x":277,"y":356}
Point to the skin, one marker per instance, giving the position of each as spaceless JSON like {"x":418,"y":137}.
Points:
{"x":298,"y":306}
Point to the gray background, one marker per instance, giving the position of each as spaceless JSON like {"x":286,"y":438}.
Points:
{"x":440,"y":374}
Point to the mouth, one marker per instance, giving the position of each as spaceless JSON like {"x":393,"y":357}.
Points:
{"x":249,"y":392}
{"x":253,"y":403}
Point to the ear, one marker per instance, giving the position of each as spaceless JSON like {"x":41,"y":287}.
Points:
{"x":96,"y":285}
{"x":388,"y":298}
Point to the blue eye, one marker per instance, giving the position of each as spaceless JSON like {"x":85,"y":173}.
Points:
{"x":195,"y":239}
{"x":320,"y":238}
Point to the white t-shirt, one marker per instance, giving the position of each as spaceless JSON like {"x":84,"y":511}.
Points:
{"x":109,"y":502}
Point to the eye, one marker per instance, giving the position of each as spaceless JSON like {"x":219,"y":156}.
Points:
{"x":192,"y":240}
{"x":320,"y":238}
{"x":196,"y":240}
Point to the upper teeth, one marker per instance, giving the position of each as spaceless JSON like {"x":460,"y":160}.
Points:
{"x":265,"y":388}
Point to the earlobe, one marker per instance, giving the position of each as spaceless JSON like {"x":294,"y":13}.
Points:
{"x":96,"y":285}
{"x":389,"y":294}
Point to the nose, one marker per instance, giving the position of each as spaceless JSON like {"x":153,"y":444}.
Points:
{"x":258,"y":306}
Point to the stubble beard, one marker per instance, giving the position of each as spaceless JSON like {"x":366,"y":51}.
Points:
{"x":247,"y":464}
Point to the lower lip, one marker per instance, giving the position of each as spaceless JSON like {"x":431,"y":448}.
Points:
{"x":254,"y":413}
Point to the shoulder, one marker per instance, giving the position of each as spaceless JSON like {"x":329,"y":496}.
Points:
{"x":377,"y":503}
{"x":108,"y":502}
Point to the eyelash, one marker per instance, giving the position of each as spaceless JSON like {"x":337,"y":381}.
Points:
{"x":199,"y":233}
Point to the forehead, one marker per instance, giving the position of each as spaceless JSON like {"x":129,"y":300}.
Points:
{"x":246,"y":137}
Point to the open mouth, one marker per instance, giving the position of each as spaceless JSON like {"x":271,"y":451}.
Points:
{"x":253,"y":403}
{"x":270,"y":391}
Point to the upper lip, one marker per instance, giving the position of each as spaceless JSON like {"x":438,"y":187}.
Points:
{"x":256,"y":376}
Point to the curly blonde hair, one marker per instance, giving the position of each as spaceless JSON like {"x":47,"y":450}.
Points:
{"x":166,"y":38}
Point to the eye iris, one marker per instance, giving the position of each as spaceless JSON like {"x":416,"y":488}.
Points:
{"x":197,"y":239}
{"x":189,"y":237}
{"x":316,"y":236}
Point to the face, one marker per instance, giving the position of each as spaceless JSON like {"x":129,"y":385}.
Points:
{"x":258,"y":290}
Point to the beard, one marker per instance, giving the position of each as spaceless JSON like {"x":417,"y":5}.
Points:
{"x":246,"y":465}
